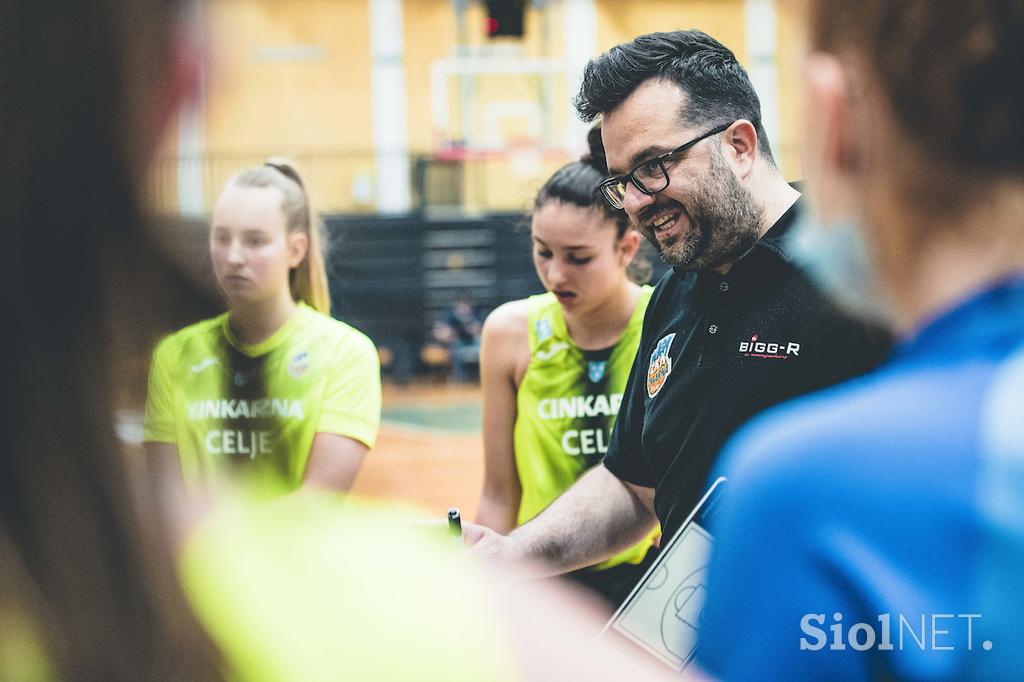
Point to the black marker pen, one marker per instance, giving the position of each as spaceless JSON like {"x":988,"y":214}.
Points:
{"x":455,"y":522}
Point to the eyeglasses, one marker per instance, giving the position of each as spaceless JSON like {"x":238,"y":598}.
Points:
{"x":650,"y":177}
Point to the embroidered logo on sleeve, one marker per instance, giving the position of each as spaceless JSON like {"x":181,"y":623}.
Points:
{"x":543,"y":330}
{"x":550,"y":351}
{"x":299,"y":364}
{"x":547,"y":347}
{"x":208,"y":362}
{"x":660,"y":366}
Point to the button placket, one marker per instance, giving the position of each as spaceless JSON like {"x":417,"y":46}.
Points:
{"x":723,"y":286}
{"x":715,"y":320}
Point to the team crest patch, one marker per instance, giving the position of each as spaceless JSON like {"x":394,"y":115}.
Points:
{"x":543,"y":330}
{"x":299,"y":364}
{"x":660,"y":367}
{"x":596,"y":370}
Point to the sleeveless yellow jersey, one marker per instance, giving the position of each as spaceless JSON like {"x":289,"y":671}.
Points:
{"x":566,"y":406}
{"x":254,"y":409}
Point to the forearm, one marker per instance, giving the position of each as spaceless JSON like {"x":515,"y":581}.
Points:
{"x":502,"y":493}
{"x":597,"y":517}
{"x":497,"y":512}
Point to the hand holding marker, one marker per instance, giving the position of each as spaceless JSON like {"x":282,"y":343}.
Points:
{"x":455,"y":522}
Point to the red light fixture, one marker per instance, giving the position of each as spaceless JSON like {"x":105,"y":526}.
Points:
{"x":505,"y":18}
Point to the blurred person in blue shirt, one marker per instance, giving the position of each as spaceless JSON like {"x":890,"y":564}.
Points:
{"x":875,"y":530}
{"x":460,"y":332}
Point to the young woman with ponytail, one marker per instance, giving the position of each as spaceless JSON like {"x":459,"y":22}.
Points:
{"x":545,"y":356}
{"x":274,"y":390}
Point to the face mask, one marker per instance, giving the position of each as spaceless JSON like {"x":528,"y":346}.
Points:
{"x":835,"y":257}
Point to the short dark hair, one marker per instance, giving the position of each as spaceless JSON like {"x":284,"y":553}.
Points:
{"x":717,"y":87}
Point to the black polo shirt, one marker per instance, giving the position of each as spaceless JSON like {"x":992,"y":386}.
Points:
{"x":715,"y":351}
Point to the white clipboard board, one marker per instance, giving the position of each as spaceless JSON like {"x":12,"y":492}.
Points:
{"x":662,"y":613}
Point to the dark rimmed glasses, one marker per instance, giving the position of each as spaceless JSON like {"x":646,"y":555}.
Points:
{"x":650,"y":176}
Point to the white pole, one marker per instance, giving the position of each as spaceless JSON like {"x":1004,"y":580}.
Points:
{"x":390,"y":136}
{"x":763,"y":65}
{"x":191,"y":141}
{"x":580,"y":32}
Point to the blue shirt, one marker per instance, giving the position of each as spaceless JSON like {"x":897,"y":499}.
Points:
{"x":884,"y":514}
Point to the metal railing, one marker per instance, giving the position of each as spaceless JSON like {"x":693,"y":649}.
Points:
{"x":346,"y":182}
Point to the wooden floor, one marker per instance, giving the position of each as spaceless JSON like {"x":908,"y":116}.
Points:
{"x":432,"y":468}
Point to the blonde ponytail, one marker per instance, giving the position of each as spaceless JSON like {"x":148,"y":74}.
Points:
{"x":308,"y":280}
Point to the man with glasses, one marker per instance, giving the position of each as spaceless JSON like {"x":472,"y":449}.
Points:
{"x":733,"y":328}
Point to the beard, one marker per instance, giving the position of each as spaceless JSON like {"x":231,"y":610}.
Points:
{"x":725,"y":222}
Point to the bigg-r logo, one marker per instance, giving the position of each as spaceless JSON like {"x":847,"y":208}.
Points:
{"x":769,"y":349}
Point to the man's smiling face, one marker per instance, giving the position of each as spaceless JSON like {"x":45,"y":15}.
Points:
{"x":705,"y":217}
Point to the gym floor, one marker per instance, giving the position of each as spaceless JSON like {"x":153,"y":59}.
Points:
{"x":430,"y":450}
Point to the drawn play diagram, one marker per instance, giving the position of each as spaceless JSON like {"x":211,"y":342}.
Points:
{"x":682,"y":614}
{"x":662,"y":614}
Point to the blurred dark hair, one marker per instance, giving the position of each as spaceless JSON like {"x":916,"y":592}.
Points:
{"x":576,"y":183}
{"x":948,"y":69}
{"x":104,"y":595}
{"x":717,"y":88}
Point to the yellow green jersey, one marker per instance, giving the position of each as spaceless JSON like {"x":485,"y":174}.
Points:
{"x":566,"y":406}
{"x":26,"y":651}
{"x":320,"y":587}
{"x":254,"y":409}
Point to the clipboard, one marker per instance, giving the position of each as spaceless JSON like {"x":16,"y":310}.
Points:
{"x":662,"y":613}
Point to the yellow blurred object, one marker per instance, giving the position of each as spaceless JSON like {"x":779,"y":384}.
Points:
{"x":320,"y":587}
